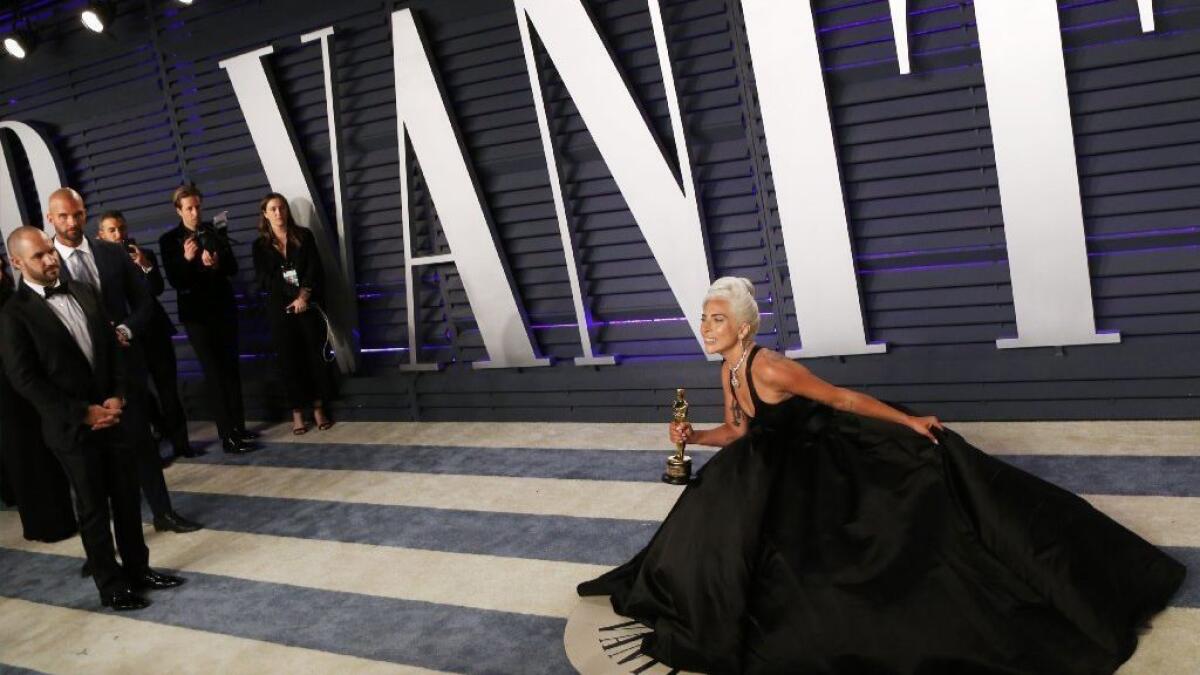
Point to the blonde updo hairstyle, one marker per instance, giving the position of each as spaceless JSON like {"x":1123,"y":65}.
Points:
{"x":739,"y":293}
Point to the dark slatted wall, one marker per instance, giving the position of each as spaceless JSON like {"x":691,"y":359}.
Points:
{"x":136,"y":113}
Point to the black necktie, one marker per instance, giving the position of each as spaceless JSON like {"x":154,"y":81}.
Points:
{"x":60,"y":289}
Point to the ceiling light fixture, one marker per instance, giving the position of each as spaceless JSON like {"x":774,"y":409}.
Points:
{"x":96,"y":16}
{"x":20,"y":44}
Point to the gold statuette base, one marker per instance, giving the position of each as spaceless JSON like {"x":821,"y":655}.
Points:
{"x":679,"y":470}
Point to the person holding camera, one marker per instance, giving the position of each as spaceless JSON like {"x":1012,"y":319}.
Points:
{"x":199,"y":264}
{"x":288,"y":267}
{"x":168,"y":416}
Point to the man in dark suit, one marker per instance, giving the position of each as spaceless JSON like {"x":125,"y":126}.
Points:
{"x":157,"y":345}
{"x":199,"y":263}
{"x":60,"y":352}
{"x":31,"y":479}
{"x":128,"y":302}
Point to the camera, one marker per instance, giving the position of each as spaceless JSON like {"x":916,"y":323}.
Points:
{"x":211,"y":236}
{"x":131,"y":246}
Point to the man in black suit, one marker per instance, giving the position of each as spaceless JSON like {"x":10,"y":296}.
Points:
{"x":127,"y":301}
{"x":31,"y":479}
{"x":199,"y":263}
{"x":60,"y":352}
{"x":157,"y":346}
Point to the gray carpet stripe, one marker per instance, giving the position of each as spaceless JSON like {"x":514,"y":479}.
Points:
{"x":584,"y":540}
{"x":6,"y":669}
{"x":631,"y":465}
{"x":441,"y":637}
{"x":1084,"y":474}
{"x":1189,"y":592}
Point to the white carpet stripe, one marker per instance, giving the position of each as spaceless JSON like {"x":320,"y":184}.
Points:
{"x":69,"y":641}
{"x":1165,"y":521}
{"x":539,"y":496}
{"x":1140,"y":438}
{"x":539,"y":587}
{"x":1172,"y":647}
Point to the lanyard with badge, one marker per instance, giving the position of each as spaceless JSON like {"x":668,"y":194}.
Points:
{"x":290,"y":275}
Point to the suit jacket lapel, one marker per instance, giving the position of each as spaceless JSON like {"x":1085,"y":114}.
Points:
{"x":101,"y":268}
{"x":41,"y":315}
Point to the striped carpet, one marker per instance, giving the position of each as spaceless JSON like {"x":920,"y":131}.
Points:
{"x":448,"y":547}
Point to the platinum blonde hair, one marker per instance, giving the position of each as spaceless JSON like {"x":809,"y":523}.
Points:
{"x":739,"y":293}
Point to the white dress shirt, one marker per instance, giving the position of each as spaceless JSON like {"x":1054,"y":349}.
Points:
{"x":83,"y":268}
{"x":67,"y":309}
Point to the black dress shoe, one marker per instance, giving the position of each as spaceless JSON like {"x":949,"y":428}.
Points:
{"x":149,"y":580}
{"x":241,"y":433}
{"x":125,"y":600}
{"x":167,"y":461}
{"x":235,"y":446}
{"x":173,"y":522}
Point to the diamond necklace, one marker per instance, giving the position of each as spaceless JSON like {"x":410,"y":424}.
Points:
{"x":734,"y":384}
{"x":733,"y":371}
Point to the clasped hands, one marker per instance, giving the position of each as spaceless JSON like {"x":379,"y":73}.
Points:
{"x":105,"y":415}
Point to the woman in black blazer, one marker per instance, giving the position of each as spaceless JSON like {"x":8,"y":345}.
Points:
{"x":288,"y":267}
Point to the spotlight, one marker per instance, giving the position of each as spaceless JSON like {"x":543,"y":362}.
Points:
{"x":96,"y":16}
{"x":20,"y":44}
{"x":185,"y":2}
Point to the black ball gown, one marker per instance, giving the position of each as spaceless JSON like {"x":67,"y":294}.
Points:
{"x":825,"y":542}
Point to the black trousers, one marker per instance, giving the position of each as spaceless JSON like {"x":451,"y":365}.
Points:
{"x":135,"y":427}
{"x":168,"y":415}
{"x":102,"y":475}
{"x":298,"y":340}
{"x":215,"y":344}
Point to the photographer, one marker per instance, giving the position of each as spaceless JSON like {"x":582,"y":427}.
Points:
{"x":168,"y":416}
{"x":199,"y":263}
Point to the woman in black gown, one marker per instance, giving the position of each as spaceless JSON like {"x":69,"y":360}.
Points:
{"x":836,"y":534}
{"x":288,"y":267}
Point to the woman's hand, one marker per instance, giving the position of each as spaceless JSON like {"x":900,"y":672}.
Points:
{"x":681,"y":432}
{"x":925,"y":426}
{"x":299,"y":305}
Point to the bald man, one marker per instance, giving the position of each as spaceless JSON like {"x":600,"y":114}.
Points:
{"x":60,"y":352}
{"x":128,"y":302}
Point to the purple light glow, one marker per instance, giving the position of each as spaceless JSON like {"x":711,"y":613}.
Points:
{"x":624,"y":322}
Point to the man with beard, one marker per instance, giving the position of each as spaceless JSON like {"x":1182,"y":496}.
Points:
{"x":61,"y":353}
{"x":128,"y":302}
{"x":30,"y":477}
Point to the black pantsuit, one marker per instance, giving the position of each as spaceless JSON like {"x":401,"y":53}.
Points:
{"x":298,"y":339}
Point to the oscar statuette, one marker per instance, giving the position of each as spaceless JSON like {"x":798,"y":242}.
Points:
{"x":679,"y":466}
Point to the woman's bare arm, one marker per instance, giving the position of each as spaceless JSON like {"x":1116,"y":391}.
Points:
{"x":777,"y":376}
{"x":718,"y":436}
